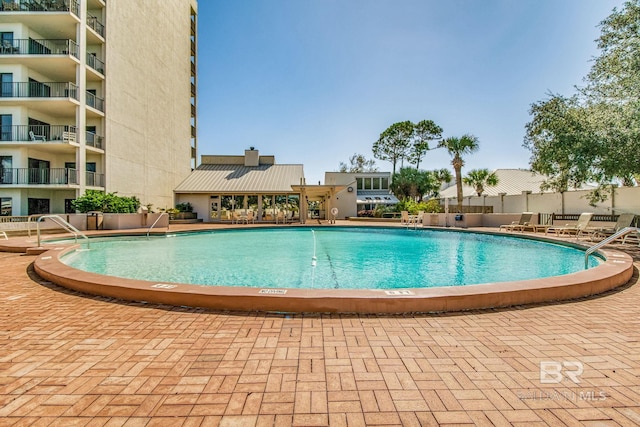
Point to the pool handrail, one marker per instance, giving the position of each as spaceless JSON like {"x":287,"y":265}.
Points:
{"x":155,"y":222}
{"x":64,"y":224}
{"x":616,"y":235}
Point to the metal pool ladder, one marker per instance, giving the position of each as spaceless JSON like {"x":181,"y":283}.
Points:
{"x":62,"y":223}
{"x":155,"y":222}
{"x":616,"y":235}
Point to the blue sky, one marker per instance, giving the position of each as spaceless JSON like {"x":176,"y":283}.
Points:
{"x":314,"y":81}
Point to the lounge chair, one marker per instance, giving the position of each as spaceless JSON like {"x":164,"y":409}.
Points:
{"x":624,"y":220}
{"x":525,"y":220}
{"x":578,"y":229}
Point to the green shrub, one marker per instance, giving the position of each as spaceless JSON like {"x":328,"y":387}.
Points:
{"x":413,"y":207}
{"x":94,"y":200}
{"x":184,"y":207}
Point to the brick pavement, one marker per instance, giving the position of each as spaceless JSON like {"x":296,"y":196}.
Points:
{"x":73,"y":360}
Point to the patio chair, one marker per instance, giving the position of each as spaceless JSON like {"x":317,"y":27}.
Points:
{"x":525,"y":220}
{"x":624,"y":220}
{"x":246,"y":217}
{"x":404,"y":217}
{"x":33,"y":137}
{"x":578,"y":229}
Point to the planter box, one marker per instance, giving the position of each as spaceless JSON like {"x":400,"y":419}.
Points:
{"x":113,"y":221}
{"x":183,"y":215}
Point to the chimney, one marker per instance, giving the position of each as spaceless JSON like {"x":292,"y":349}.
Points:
{"x":251,"y":157}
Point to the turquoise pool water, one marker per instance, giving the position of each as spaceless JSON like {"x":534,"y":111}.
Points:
{"x":345,"y":258}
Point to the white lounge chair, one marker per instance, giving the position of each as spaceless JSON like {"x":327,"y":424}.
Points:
{"x":578,"y":229}
{"x":525,"y":220}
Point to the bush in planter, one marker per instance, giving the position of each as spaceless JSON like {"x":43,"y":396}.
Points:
{"x":95,"y":200}
{"x":184,"y":207}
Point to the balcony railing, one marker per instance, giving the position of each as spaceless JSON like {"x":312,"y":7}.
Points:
{"x":95,"y":63}
{"x":95,"y":24}
{"x":38,"y":176}
{"x":52,"y":176}
{"x":94,"y":179}
{"x":38,"y":133}
{"x":94,"y":140}
{"x":41,"y":6}
{"x":39,"y":47}
{"x":39,"y":90}
{"x":95,"y":102}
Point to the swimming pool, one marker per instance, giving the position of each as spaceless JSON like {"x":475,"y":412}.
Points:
{"x":329,"y":258}
{"x":614,"y":269}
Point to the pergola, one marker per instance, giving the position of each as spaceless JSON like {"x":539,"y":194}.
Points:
{"x":322,"y":193}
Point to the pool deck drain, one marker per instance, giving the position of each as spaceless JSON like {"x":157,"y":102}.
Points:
{"x":69,"y":359}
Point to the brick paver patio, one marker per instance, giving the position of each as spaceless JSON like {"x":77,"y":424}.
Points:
{"x":73,"y":360}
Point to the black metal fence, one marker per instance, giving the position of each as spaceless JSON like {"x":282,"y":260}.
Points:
{"x":39,"y":90}
{"x":38,"y":133}
{"x":41,"y":6}
{"x":39,"y":47}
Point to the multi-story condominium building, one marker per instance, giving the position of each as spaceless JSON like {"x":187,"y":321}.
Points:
{"x":95,"y":94}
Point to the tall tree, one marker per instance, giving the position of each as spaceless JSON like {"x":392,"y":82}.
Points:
{"x":393,"y":144}
{"x":414,"y":184}
{"x":423,"y":132}
{"x":479,"y":179}
{"x":457,"y":148}
{"x":594,"y":136}
{"x":358,"y":163}
{"x":561,"y":140}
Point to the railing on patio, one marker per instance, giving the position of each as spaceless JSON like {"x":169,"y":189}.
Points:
{"x":95,"y":24}
{"x":38,"y":176}
{"x":95,"y":102}
{"x":40,"y":6}
{"x":38,"y":133}
{"x":39,"y":90}
{"x":94,"y":140}
{"x":94,"y":179}
{"x":95,"y":63}
{"x":39,"y":47}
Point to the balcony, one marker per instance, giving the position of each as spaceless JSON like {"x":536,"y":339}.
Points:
{"x":39,"y":90}
{"x":94,"y":140}
{"x":41,"y":6}
{"x":38,"y":133}
{"x":52,"y":176}
{"x":95,"y":25}
{"x":39,"y":47}
{"x":95,"y":102}
{"x":93,"y":179}
{"x":37,"y":176}
{"x":95,"y":63}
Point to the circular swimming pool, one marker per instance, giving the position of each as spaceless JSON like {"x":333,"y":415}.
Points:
{"x":335,"y":270}
{"x":329,"y":258}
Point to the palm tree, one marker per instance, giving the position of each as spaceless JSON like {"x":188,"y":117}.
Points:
{"x":479,"y":179}
{"x":457,"y":147}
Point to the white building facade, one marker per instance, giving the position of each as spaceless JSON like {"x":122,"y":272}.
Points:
{"x":95,"y":94}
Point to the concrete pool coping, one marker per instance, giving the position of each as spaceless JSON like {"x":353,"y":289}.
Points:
{"x":616,"y":270}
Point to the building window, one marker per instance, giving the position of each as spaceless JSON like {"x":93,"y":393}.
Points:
{"x":38,"y":206}
{"x":6,"y":127}
{"x":367,"y":183}
{"x":376,"y":183}
{"x":5,"y":206}
{"x":385,"y":183}
{"x":6,"y":169}
{"x":68,"y":207}
{"x":360,"y":183}
{"x":7,"y":84}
